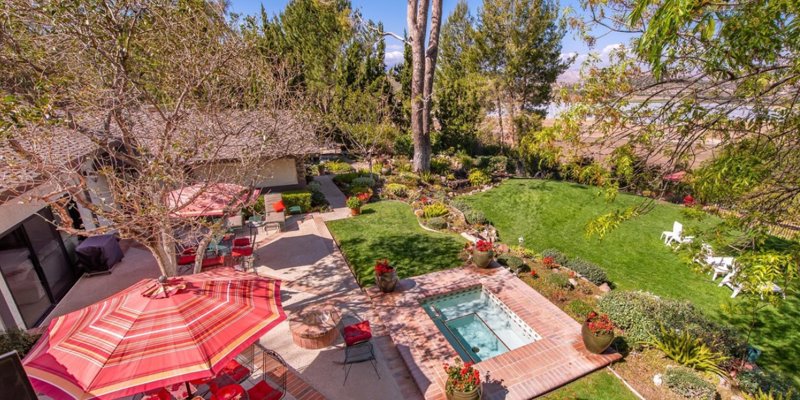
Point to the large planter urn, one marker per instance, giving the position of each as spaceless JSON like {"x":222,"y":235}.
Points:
{"x":482,"y":259}
{"x":595,"y":343}
{"x":386,"y":281}
{"x":474,"y":394}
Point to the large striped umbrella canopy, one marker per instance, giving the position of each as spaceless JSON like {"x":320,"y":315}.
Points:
{"x":210,"y":200}
{"x":153,"y":335}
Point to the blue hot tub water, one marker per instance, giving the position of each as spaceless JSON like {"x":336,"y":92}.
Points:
{"x":477,"y":324}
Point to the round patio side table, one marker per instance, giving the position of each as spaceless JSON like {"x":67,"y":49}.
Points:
{"x":314,"y":326}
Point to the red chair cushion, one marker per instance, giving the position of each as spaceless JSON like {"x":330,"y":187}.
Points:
{"x":236,"y":371}
{"x":211,"y":261}
{"x":186,"y":259}
{"x":278,"y":206}
{"x":242,"y":241}
{"x":263,"y":391}
{"x":228,"y":392}
{"x":242,"y":251}
{"x":157,"y":394}
{"x":357,"y":333}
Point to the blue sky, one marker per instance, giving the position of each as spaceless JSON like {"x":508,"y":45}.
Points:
{"x":393,"y":15}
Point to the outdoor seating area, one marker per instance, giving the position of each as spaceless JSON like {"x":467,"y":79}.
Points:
{"x":675,"y":236}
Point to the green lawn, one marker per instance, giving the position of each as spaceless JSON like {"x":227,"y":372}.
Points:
{"x":601,"y":385}
{"x":389,"y":229}
{"x":553,"y":214}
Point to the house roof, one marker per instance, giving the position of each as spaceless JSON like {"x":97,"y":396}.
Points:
{"x":227,"y":136}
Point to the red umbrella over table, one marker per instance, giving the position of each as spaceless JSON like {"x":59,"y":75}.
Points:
{"x":154,"y":334}
{"x":210,"y":200}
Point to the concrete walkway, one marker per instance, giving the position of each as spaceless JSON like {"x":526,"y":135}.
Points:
{"x":335,"y":198}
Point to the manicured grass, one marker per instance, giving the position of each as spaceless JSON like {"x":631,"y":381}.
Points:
{"x":389,"y":229}
{"x":554,"y":214}
{"x":601,"y":385}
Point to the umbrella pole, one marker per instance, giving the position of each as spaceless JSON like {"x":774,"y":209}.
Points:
{"x":188,"y":391}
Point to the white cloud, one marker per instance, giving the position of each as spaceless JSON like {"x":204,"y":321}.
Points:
{"x":608,"y":49}
{"x":393,"y":57}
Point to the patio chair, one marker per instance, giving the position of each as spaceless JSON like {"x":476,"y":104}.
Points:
{"x":357,"y":336}
{"x":673,"y":235}
{"x":737,"y":287}
{"x":275,"y":210}
{"x":242,"y":251}
{"x":721,"y":266}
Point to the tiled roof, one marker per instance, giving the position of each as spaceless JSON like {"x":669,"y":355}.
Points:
{"x":239,"y":133}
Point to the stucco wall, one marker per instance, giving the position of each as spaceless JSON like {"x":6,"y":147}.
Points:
{"x":281,"y":172}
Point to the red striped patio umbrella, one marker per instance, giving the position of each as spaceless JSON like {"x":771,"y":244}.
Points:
{"x":210,"y":200}
{"x":154,"y":334}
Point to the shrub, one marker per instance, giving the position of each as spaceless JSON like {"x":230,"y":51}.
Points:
{"x":318,"y":199}
{"x":353,"y":202}
{"x":363,"y":181}
{"x":639,"y":314}
{"x":314,"y":186}
{"x":558,"y":281}
{"x":479,"y":178}
{"x":438,"y":223}
{"x":345,"y":179}
{"x":589,"y":270}
{"x":18,"y":340}
{"x":300,"y":198}
{"x":466,"y":161}
{"x":364,"y":193}
{"x":758,"y":380}
{"x":512,"y":262}
{"x":257,"y":208}
{"x":435,"y":210}
{"x":578,"y":309}
{"x":475,"y":217}
{"x":520,"y":251}
{"x":688,"y":351}
{"x":689,"y":384}
{"x":396,"y":189}
{"x":498,"y":164}
{"x":337,"y":167}
{"x":406,"y":178}
{"x":460,"y":204}
{"x":557,"y":256}
{"x":440,"y":165}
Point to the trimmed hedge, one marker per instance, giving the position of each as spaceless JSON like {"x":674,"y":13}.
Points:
{"x":300,"y":198}
{"x":689,"y":384}
{"x":588,"y":269}
{"x":639,"y":314}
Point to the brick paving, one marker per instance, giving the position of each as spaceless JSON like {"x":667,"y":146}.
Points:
{"x":559,"y":357}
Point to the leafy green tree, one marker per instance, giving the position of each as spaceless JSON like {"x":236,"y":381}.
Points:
{"x":519,"y":50}
{"x":458,"y":95}
{"x":701,"y":80}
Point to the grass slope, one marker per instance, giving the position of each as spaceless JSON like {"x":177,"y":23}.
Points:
{"x":554,"y":214}
{"x":601,"y":385}
{"x":389,"y":229}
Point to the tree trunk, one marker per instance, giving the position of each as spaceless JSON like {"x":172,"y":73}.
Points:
{"x":201,"y":253}
{"x":417,"y":16}
{"x":431,"y":54}
{"x":164,"y":252}
{"x":500,"y":118}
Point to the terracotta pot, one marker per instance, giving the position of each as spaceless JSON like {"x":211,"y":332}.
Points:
{"x":386,"y":281}
{"x":475,"y":394}
{"x":482,"y":259}
{"x":355,"y":211}
{"x":595,"y":343}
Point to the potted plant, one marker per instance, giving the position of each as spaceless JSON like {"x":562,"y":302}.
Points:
{"x":354,"y":204}
{"x":385,"y":276}
{"x":597,"y":332}
{"x":463,"y":381}
{"x":483,"y":253}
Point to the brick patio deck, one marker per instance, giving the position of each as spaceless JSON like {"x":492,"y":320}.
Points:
{"x":529,"y":371}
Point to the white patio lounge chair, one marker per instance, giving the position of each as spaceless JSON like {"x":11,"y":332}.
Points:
{"x":674,"y":235}
{"x":737,"y":287}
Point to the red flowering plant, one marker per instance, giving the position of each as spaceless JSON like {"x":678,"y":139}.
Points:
{"x":549,"y":262}
{"x":688,"y":200}
{"x":599,"y":324}
{"x":483,"y":245}
{"x":534,"y":274}
{"x":383,"y":267}
{"x":461,"y":377}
